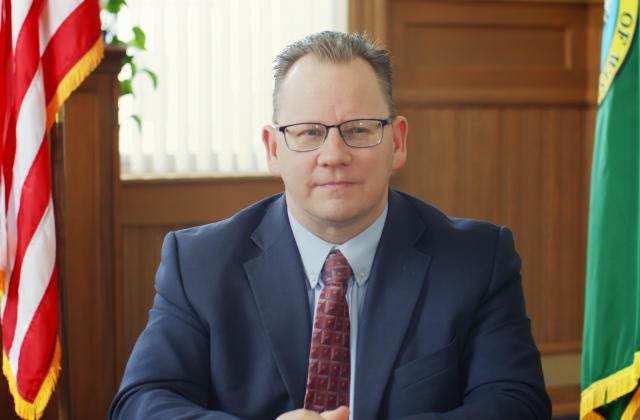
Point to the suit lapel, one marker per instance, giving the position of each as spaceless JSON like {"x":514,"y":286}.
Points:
{"x":397,"y":278}
{"x":277,"y":278}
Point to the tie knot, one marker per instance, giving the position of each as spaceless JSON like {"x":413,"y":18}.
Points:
{"x":337,"y":270}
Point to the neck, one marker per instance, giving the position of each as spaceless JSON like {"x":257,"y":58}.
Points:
{"x":336,"y":236}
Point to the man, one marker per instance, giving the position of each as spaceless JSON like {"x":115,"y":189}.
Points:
{"x":340,"y":297}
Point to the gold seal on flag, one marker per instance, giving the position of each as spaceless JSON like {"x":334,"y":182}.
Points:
{"x":616,"y":46}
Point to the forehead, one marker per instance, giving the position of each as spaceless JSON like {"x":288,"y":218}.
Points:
{"x":322,"y":89}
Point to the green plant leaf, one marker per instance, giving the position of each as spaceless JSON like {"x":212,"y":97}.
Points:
{"x":126,"y":87}
{"x":127,"y":60}
{"x":114,"y":6}
{"x":139,"y":38}
{"x":153,"y":76}
{"x":117,"y":41}
{"x":138,"y":42}
{"x":138,"y":120}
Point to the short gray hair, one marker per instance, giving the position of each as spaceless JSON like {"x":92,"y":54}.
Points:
{"x":336,"y":47}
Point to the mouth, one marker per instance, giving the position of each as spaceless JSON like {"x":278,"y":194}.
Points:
{"x":336,"y":184}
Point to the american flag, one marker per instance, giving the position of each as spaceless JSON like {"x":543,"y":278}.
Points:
{"x":47,"y":47}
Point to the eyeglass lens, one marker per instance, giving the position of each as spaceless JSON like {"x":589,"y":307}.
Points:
{"x":357,"y":133}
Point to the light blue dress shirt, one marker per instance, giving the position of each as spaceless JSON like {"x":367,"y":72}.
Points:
{"x":359,"y":252}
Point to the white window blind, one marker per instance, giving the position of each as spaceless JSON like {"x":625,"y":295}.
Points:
{"x":213,"y":59}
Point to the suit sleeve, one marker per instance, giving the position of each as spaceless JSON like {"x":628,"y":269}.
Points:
{"x":501,"y":364}
{"x":167,"y":375}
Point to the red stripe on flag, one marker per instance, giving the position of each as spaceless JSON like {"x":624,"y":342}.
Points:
{"x":36,"y":194}
{"x":39,"y":343}
{"x":26,"y":59}
{"x":9,"y":157}
{"x":27,"y":53}
{"x":6,"y":70}
{"x":68,"y":46}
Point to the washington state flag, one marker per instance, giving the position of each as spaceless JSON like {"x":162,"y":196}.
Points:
{"x":611,"y":340}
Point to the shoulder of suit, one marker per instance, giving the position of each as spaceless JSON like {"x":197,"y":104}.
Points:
{"x":435,"y":218}
{"x":456,"y":237}
{"x":238,"y":226}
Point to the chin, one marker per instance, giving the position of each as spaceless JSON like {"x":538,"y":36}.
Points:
{"x":340,"y":216}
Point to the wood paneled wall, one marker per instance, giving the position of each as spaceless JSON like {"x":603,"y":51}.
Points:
{"x":88,"y":215}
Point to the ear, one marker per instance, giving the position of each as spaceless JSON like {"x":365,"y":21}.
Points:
{"x":400,"y":128}
{"x":270,"y":141}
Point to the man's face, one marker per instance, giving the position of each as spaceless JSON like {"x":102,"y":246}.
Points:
{"x":335,"y":191}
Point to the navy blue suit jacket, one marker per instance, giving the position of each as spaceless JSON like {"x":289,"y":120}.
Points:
{"x":443,"y":332}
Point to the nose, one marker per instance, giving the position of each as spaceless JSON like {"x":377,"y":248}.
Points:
{"x":334,"y":151}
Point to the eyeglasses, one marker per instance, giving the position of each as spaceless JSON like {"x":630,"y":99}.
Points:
{"x":361,"y":133}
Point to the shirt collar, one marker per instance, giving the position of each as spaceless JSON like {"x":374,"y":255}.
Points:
{"x":359,"y":250}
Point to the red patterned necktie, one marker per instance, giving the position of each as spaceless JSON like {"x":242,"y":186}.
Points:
{"x":329,"y":360}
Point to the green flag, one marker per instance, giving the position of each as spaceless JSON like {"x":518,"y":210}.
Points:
{"x":611,"y":341}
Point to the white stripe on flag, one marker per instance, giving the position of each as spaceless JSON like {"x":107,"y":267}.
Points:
{"x":35,"y":275}
{"x":19,"y":11}
{"x":52,"y":16}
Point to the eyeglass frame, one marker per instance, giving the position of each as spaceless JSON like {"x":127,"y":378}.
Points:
{"x":382,"y":121}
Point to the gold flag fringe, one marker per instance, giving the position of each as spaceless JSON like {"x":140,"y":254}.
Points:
{"x":73,"y":78}
{"x":35,"y":409}
{"x":592,"y":415}
{"x":609,"y":389}
{"x":2,"y":275}
{"x":632,"y":407}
